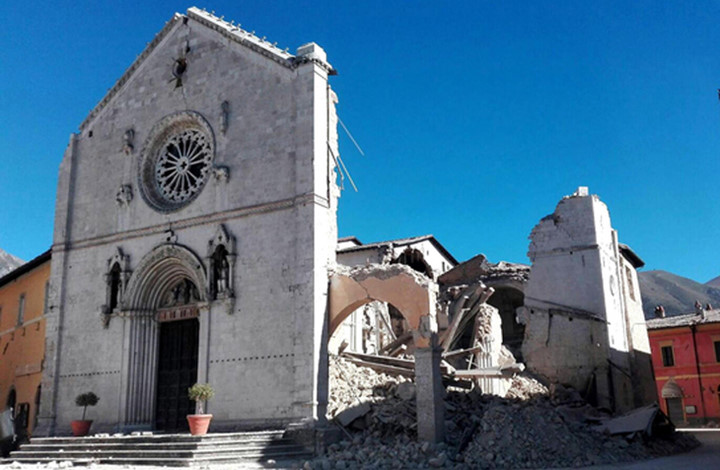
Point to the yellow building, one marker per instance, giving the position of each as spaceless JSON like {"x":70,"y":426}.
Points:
{"x":23,"y":294}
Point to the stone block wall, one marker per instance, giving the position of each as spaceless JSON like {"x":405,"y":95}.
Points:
{"x":271,"y":187}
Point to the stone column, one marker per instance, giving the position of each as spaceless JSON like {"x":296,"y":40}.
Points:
{"x":430,"y":395}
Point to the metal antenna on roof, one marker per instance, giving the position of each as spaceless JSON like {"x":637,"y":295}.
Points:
{"x":351,"y":137}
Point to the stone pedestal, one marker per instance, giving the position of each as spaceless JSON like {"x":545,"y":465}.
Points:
{"x":430,"y":395}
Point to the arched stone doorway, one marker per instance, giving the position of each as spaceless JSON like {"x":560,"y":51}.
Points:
{"x":672,"y":394}
{"x":166,"y":305}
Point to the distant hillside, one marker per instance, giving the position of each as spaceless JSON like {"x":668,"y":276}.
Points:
{"x":714,"y":282}
{"x":8,"y":262}
{"x":676,"y":293}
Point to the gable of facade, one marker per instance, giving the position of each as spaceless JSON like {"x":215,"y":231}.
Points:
{"x":197,"y":207}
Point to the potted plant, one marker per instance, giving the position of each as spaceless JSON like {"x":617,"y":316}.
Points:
{"x":82,"y":427}
{"x":199,"y":422}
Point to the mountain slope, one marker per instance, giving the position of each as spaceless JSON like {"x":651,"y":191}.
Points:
{"x":714,"y":282}
{"x":8,"y":262}
{"x":676,"y":293}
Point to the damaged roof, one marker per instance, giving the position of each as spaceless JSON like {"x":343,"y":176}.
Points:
{"x":478,"y":267}
{"x":690,"y":319}
{"x":397,"y":242}
{"x":631,"y":256}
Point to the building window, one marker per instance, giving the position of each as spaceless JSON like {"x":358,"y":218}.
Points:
{"x":114,"y":287}
{"x":717,"y":351}
{"x":667,"y":356}
{"x":21,"y":310}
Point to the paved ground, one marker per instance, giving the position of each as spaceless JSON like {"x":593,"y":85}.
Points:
{"x":705,"y":457}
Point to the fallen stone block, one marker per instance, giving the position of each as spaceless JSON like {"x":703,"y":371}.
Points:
{"x":349,"y":415}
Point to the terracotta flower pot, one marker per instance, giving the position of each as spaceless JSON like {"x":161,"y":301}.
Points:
{"x":199,"y":424}
{"x":81,"y":427}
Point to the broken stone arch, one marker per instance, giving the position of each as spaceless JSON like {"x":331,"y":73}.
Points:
{"x":414,"y":295}
{"x":411,"y":293}
{"x":157,"y":273}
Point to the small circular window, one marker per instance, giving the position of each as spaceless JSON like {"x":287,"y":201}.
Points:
{"x":176,"y":161}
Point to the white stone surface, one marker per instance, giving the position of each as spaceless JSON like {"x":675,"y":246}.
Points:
{"x":262,"y":351}
{"x":577,"y":314}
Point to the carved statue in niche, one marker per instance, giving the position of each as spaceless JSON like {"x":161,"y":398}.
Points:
{"x":221,"y":262}
{"x":221,"y":273}
{"x":116,"y":279}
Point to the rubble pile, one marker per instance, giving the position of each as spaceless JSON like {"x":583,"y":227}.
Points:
{"x":539,"y":434}
{"x":533,"y":428}
{"x":524,"y":387}
{"x":391,"y":399}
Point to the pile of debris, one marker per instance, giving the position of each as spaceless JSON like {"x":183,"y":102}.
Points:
{"x":363,"y":399}
{"x":532,"y":427}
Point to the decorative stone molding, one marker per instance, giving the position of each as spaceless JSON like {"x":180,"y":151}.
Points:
{"x":221,"y":173}
{"x":129,"y":141}
{"x":124,"y":195}
{"x":221,"y":266}
{"x":171,"y":237}
{"x":224,"y":116}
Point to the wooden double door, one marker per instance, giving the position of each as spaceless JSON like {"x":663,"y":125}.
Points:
{"x":177,"y":371}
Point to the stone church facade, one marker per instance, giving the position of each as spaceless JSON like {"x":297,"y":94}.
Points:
{"x":195,"y":225}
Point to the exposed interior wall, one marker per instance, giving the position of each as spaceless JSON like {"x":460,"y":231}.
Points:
{"x":507,"y":300}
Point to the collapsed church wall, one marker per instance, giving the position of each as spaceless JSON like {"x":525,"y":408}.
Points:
{"x":207,"y":174}
{"x":577,"y":324}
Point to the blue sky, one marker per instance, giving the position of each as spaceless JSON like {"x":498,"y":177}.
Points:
{"x":475,"y":117}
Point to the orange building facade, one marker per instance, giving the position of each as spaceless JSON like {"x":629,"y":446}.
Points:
{"x":686,"y":360}
{"x":23,"y":294}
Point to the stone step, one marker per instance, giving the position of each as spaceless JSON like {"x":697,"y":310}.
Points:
{"x":245,"y":462}
{"x":34,"y":446}
{"x":156,"y":453}
{"x":208,"y":438}
{"x":174,"y":462}
{"x":163,"y":449}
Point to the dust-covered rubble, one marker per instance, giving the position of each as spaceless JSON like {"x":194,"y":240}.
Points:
{"x":531,"y":428}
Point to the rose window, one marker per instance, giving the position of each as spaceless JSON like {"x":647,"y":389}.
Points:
{"x":182,"y":165}
{"x":176,"y":161}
